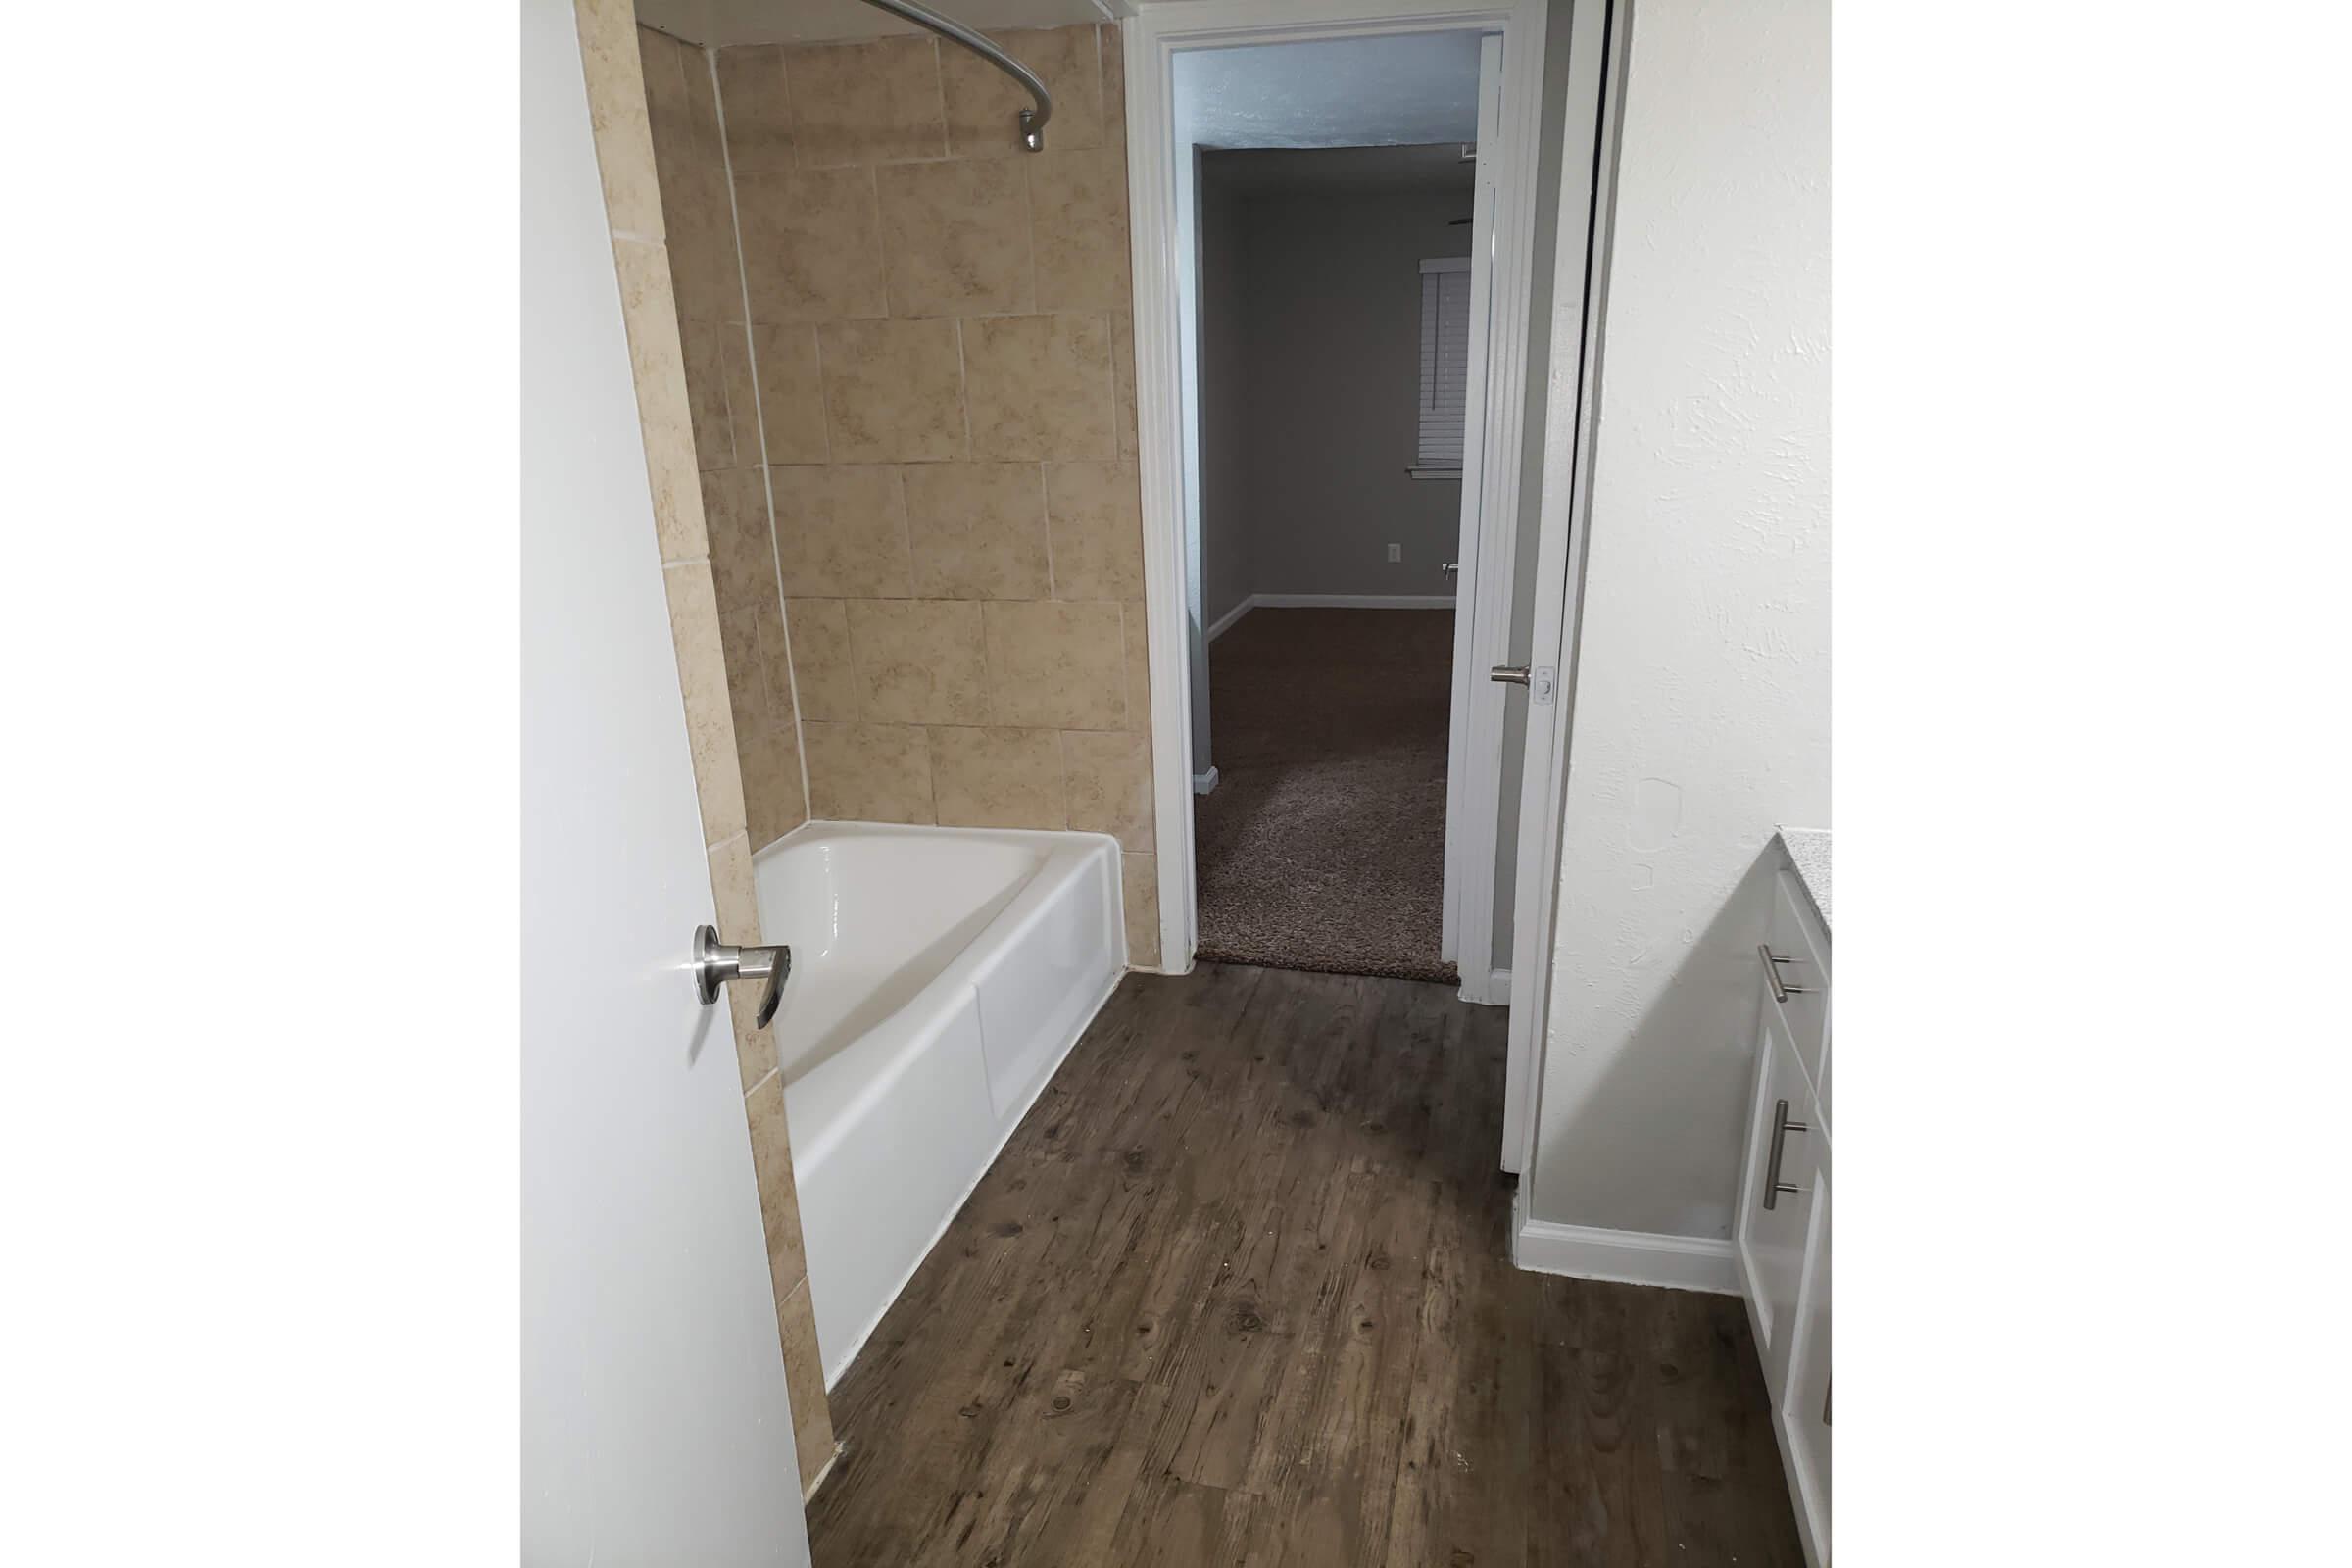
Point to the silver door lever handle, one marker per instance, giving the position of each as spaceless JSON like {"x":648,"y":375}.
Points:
{"x":716,"y":962}
{"x":1512,"y":674}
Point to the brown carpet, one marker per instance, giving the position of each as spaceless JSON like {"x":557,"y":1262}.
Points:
{"x":1323,"y":846}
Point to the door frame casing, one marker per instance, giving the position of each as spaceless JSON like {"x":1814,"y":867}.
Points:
{"x":1152,"y":38}
{"x":1588,"y":152}
{"x":1485,"y":547}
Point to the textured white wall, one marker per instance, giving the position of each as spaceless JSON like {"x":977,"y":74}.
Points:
{"x":1703,"y":700}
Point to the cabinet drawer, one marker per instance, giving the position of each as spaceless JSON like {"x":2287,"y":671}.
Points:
{"x":1792,"y":938}
{"x":1770,"y":1233}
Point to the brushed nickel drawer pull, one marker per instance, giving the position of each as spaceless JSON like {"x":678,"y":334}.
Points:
{"x":1782,"y":1127}
{"x":1781,"y":990}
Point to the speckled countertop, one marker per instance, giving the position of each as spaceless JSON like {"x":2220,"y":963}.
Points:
{"x":1809,"y":852}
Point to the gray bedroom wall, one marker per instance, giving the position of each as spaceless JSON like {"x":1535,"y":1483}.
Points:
{"x":1225,"y":414}
{"x":1311,"y":348}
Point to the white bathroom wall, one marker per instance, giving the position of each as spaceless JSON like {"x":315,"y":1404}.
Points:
{"x":1700,"y":711}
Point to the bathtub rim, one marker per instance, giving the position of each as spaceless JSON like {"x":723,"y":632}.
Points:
{"x":825,"y":827}
{"x":1064,"y":852}
{"x":1064,"y":859}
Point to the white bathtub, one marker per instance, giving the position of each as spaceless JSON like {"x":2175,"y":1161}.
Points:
{"x":939,"y":976}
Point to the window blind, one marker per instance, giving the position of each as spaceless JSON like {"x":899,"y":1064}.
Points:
{"x":1445,"y":359}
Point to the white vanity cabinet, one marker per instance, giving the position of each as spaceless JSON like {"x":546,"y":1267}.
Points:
{"x":1781,"y":1238}
{"x":1803,"y":1411}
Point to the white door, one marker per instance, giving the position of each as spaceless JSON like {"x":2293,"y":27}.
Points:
{"x":655,"y":1423}
{"x":1588,"y":154}
{"x":1482,"y":588}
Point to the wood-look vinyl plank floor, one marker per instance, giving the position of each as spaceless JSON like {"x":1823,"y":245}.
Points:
{"x":1239,"y":1292}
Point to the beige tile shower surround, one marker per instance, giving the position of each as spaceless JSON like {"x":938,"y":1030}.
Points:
{"x":936,"y":384}
{"x":743,"y":398}
{"x":657,"y":255}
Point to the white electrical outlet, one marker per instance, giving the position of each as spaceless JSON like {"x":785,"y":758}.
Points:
{"x":1396,"y":553}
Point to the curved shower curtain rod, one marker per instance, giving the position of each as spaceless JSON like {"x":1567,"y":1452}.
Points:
{"x":1033,"y":120}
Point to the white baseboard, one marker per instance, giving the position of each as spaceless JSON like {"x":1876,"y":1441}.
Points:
{"x":1203,"y":783}
{"x":1224,"y":623}
{"x":1633,"y":1258}
{"x":1497,"y":992}
{"x":1352,"y":601}
{"x":817,"y":1480}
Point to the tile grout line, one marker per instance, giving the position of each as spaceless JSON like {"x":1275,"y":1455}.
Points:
{"x":768,"y":483}
{"x":1044,"y":501}
{"x":897,"y":477}
{"x":1061,"y":752}
{"x":791,"y":112}
{"x":848,"y":638}
{"x":659,"y":243}
{"x":964,"y":387}
{"x":873,"y":186}
{"x":1126,"y":716}
{"x":710,"y":854}
{"x":1037,"y":295}
{"x":939,"y":89}
{"x":1110,"y":386}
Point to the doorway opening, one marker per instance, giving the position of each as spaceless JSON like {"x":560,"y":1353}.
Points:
{"x":1333,"y":408}
{"x":1335,"y":328}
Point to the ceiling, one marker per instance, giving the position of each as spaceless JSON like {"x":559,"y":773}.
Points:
{"x":720,"y":22}
{"x":1403,"y":89}
{"x":1288,"y":170}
